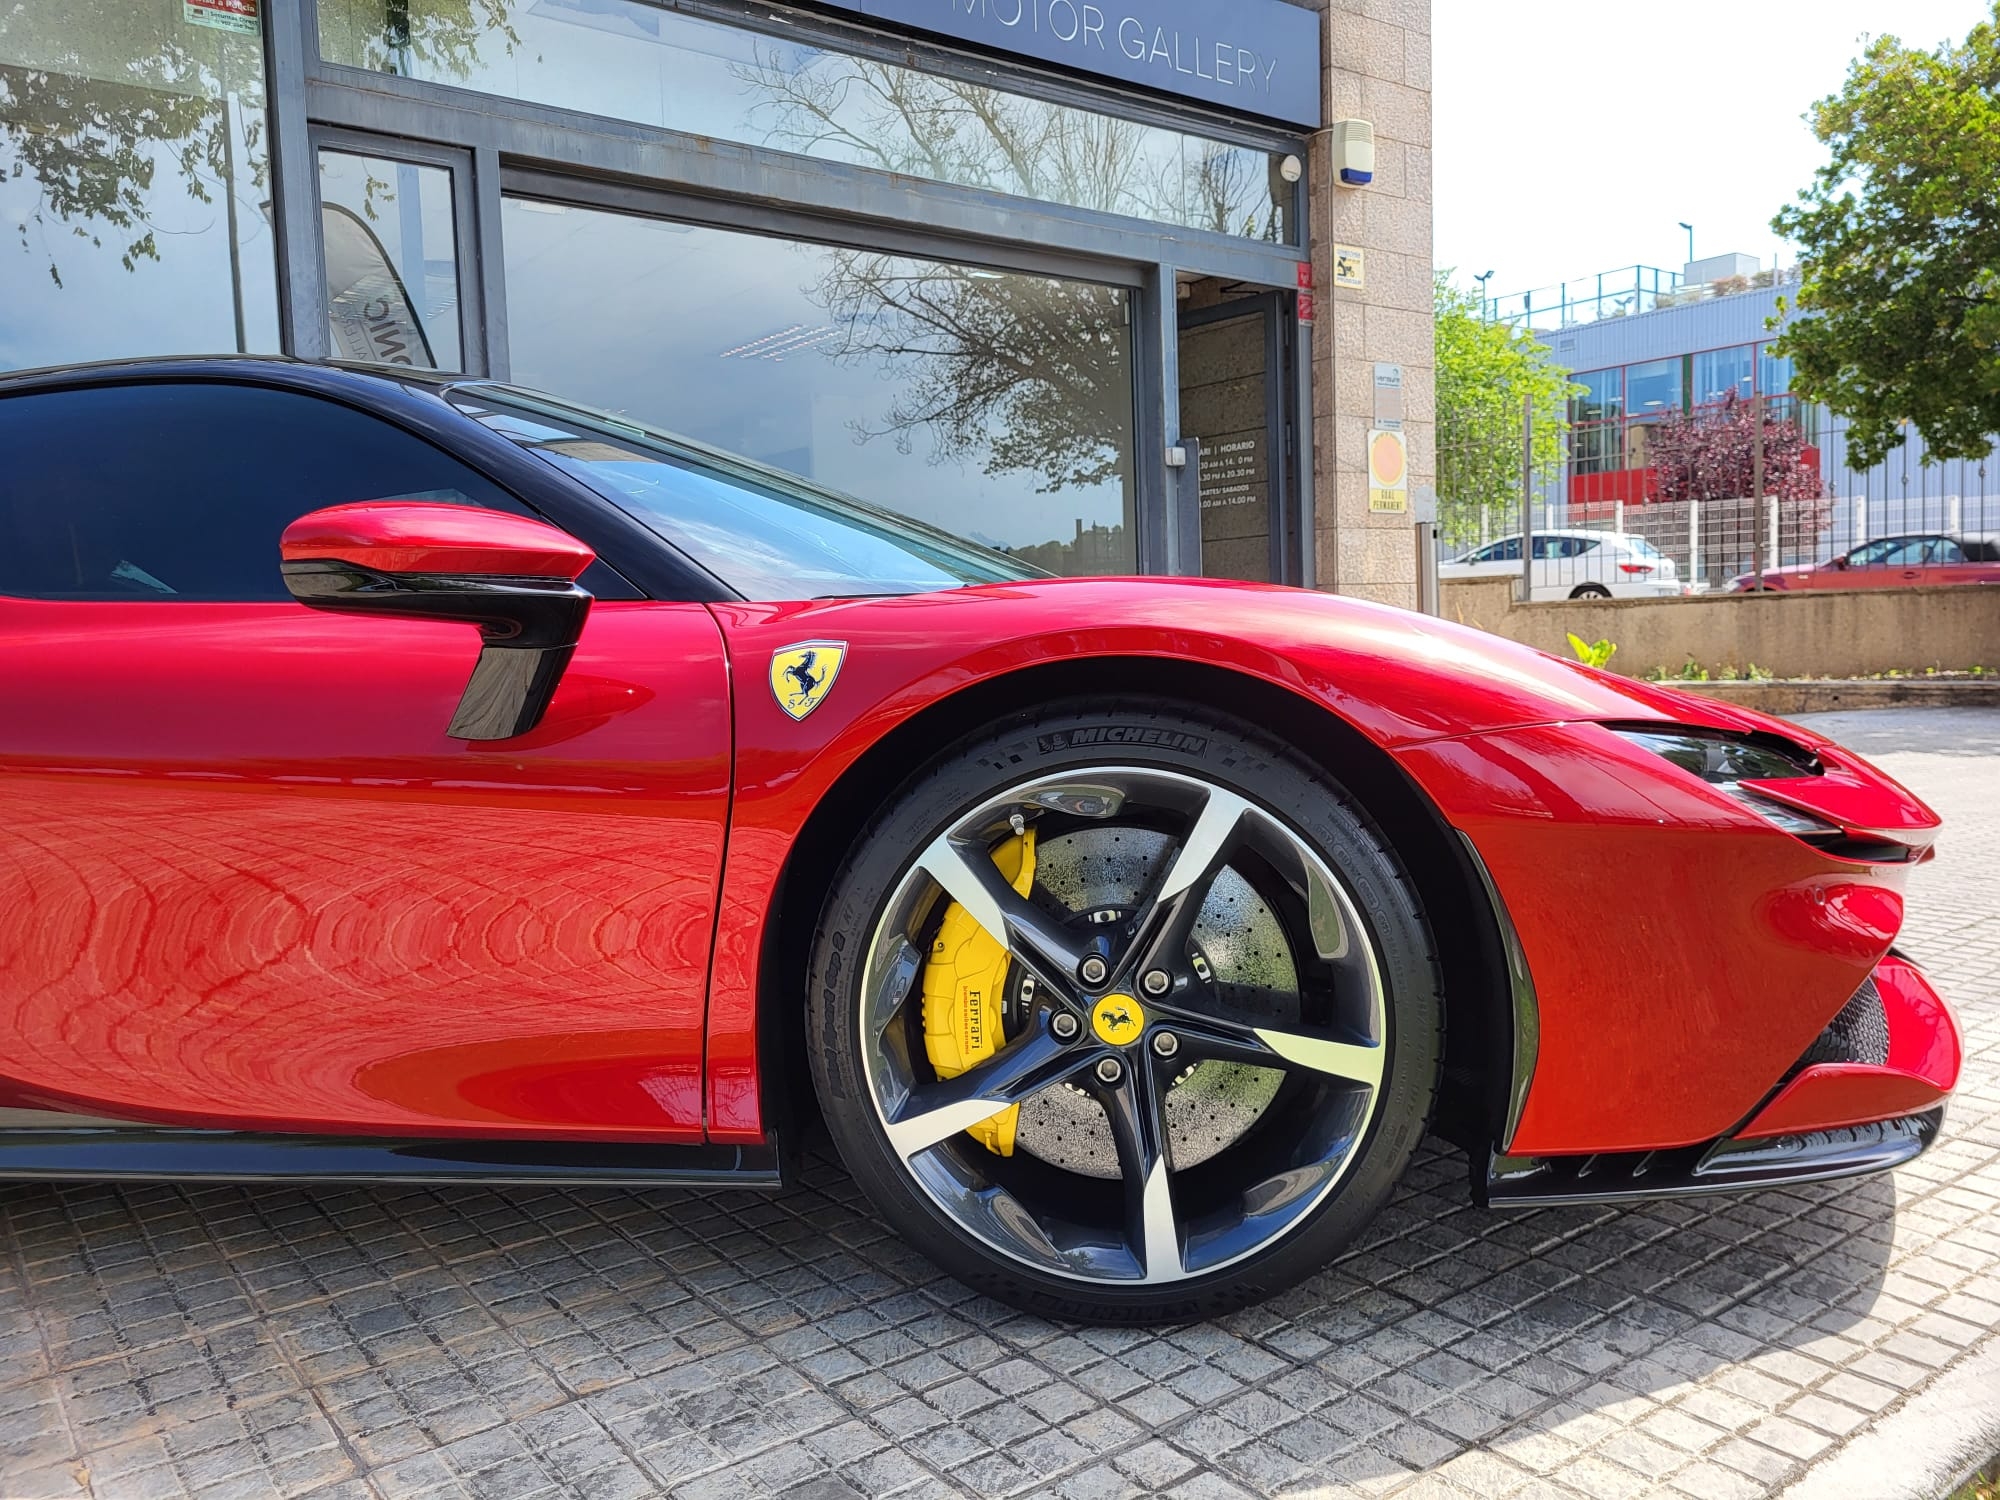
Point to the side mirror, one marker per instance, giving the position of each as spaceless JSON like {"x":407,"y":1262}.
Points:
{"x":513,"y":577}
{"x":1841,"y":561}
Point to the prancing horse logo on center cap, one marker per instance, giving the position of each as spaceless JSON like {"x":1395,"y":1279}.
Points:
{"x":1117,"y":1019}
{"x":802,"y":675}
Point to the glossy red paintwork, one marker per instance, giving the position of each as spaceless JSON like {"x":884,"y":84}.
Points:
{"x":264,"y":888}
{"x":249,"y":882}
{"x":407,"y":536}
{"x":1399,"y":677}
{"x":1685,"y":953}
{"x":1571,"y":825}
{"x":1920,"y":1070}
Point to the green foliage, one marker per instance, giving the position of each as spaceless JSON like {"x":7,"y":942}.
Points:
{"x":1900,"y":250}
{"x":1598,"y":655}
{"x":1485,"y":371}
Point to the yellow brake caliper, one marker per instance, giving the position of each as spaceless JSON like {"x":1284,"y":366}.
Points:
{"x":964,"y":983}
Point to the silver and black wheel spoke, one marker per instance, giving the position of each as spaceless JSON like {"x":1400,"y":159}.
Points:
{"x":1031,"y":935}
{"x":1160,"y":941}
{"x":1139,"y":1126}
{"x":1287,"y":1048}
{"x":936,"y":1112}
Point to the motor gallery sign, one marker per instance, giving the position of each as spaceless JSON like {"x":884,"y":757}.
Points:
{"x":1261,"y":57}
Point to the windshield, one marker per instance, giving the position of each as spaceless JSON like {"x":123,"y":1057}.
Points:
{"x":1643,"y":548}
{"x":769,"y":535}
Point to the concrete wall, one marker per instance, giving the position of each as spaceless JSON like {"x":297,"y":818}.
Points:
{"x":1378,"y":69}
{"x":1832,"y":634}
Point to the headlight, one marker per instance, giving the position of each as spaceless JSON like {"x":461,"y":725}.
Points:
{"x":1725,"y":761}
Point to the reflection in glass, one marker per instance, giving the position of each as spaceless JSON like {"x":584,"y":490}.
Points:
{"x":1654,"y":388}
{"x":1596,"y":425}
{"x":994,"y":405}
{"x":1720,"y":373}
{"x":634,"y":61}
{"x":134,"y":184}
{"x":765,"y":534}
{"x":1774,"y":372}
{"x":391,"y":261}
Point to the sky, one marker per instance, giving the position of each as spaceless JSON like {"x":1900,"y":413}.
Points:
{"x":1574,"y":136}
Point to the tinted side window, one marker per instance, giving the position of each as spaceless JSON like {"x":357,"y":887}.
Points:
{"x":180,"y":492}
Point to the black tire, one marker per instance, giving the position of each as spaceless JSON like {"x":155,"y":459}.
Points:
{"x":1590,"y":591}
{"x":1225,"y":753}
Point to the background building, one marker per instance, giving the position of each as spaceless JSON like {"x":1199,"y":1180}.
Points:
{"x":990,"y":262}
{"x":1646,"y":343}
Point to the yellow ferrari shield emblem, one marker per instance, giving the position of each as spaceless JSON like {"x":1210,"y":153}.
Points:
{"x":802,"y":675}
{"x":1117,"y":1019}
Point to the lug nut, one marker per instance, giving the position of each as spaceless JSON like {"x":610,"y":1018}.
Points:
{"x":1065,"y":1026}
{"x":1110,"y":1070}
{"x":1093,"y":970}
{"x":1166,"y":1044}
{"x":1158,"y":982}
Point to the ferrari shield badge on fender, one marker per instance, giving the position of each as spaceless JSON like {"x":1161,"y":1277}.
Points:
{"x":802,"y":675}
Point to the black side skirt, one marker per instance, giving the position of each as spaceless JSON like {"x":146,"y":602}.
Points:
{"x":117,"y":1153}
{"x":1723,"y":1166}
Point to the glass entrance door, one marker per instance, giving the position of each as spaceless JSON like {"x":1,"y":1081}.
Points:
{"x":1233,"y":362}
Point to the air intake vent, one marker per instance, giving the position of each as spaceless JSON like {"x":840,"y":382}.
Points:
{"x":1859,"y":1034}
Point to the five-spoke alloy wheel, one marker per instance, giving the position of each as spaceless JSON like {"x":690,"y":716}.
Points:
{"x":1191,"y":1035}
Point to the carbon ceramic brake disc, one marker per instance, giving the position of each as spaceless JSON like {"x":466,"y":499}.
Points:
{"x":1212,"y":1104}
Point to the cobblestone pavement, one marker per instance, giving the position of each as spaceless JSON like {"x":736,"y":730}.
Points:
{"x":255,"y":1341}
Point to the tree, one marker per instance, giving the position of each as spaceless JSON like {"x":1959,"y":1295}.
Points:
{"x":1899,"y":303}
{"x":1710,"y":453}
{"x":1486,"y":371}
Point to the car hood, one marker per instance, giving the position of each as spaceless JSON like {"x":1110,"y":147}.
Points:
{"x":1399,"y":676}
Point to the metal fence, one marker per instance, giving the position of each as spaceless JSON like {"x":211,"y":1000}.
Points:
{"x":1724,"y":498}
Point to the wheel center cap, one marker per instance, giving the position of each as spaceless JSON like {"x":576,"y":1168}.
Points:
{"x":1117,"y":1020}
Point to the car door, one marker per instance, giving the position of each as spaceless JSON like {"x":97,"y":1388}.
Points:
{"x":1943,"y":563}
{"x":246,"y":879}
{"x":1879,"y":564}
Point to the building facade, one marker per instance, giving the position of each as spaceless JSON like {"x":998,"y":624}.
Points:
{"x":1697,"y":341}
{"x":1051,"y":274}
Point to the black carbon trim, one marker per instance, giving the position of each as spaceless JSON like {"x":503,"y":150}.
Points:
{"x":1723,"y":1166}
{"x":1859,"y":1034}
{"x":1527,"y":1014}
{"x":138,"y":1152}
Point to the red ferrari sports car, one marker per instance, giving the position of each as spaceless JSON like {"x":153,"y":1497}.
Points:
{"x":414,"y":779}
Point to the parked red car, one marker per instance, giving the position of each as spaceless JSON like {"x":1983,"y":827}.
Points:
{"x":1920,"y":560}
{"x":409,"y":778}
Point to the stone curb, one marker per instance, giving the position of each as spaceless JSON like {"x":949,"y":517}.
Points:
{"x":1787,"y":697}
{"x":1924,"y":1451}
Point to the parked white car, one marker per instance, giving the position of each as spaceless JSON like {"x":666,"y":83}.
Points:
{"x":1577,"y":565}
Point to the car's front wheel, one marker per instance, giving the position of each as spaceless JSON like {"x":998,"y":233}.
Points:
{"x":1125,"y":1015}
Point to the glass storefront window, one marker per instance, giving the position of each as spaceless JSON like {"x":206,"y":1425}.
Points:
{"x":634,"y":61}
{"x":135,"y":212}
{"x":391,"y":261}
{"x":994,"y":405}
{"x":1654,"y":388}
{"x":1718,"y":372}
